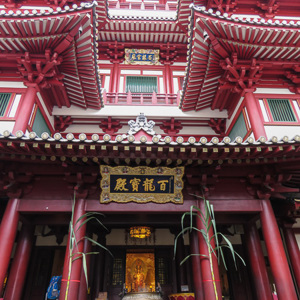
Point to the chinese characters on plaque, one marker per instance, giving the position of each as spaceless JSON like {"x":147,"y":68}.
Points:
{"x":141,"y":56}
{"x":141,"y":184}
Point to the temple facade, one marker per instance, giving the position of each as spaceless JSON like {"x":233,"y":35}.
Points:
{"x":123,"y":122}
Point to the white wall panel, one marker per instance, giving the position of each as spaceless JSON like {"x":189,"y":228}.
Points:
{"x":281,"y":131}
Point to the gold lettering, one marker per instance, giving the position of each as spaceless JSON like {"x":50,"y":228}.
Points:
{"x":162,"y":184}
{"x":120,"y":185}
{"x":148,"y":185}
{"x":133,"y":56}
{"x":139,"y":56}
{"x":144,"y":57}
{"x":135,"y":184}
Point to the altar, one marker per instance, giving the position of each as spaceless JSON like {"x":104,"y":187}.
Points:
{"x":140,"y":274}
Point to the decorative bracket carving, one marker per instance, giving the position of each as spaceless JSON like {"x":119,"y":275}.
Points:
{"x":218,"y":125}
{"x":268,"y":185}
{"x":269,"y":9}
{"x":168,"y":53}
{"x":17,"y":185}
{"x":110,"y":126}
{"x":116,"y":52}
{"x":171,"y":127}
{"x":41,"y":70}
{"x":239,"y":76}
{"x":61,"y":123}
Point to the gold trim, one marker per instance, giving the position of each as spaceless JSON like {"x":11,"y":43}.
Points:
{"x":141,"y":56}
{"x":107,"y":197}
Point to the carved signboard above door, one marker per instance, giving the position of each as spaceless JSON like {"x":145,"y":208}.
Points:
{"x":141,"y":184}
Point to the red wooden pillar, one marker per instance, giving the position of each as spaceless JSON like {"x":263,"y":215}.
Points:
{"x":197,"y":277}
{"x":181,"y":271}
{"x":207,"y":279}
{"x":257,"y":263}
{"x":25,"y":110}
{"x":74,"y":279}
{"x":98,"y":285}
{"x":254,"y":116}
{"x":115,"y":76}
{"x":20,"y":263}
{"x":293,"y":251}
{"x":8,"y":231}
{"x":278,"y":261}
{"x":83,"y":288}
{"x":169,"y":78}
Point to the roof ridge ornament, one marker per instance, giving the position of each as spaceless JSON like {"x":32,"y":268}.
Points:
{"x":141,"y":123}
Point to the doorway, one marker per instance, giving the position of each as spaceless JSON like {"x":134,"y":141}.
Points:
{"x":140,"y":272}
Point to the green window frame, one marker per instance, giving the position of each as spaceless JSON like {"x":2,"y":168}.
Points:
{"x":39,"y":124}
{"x":4,"y":101}
{"x":281,"y":110}
{"x":141,"y":84}
{"x":239,"y":128}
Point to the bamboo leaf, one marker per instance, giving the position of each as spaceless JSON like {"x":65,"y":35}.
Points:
{"x":207,"y":218}
{"x":84,"y":265}
{"x":98,"y":244}
{"x":187,"y":257}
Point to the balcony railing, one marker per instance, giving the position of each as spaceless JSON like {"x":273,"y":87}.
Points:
{"x":141,"y":5}
{"x":141,"y":99}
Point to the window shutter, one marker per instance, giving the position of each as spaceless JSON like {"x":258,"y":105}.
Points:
{"x":4,"y":100}
{"x":281,"y":110}
{"x":239,"y":128}
{"x":141,"y":84}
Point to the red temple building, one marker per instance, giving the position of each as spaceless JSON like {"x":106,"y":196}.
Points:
{"x":133,"y":111}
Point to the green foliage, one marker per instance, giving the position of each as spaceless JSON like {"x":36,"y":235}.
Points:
{"x":207,"y":218}
{"x":74,"y":253}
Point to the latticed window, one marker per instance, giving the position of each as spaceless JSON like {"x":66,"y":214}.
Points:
{"x":141,"y":84}
{"x":4,"y":100}
{"x":117,"y":274}
{"x":281,"y":110}
{"x":162,"y":270}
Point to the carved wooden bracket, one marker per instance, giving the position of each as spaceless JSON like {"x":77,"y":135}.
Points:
{"x":110,"y":126}
{"x":171,"y":126}
{"x":15,"y":185}
{"x":167,"y":53}
{"x":41,"y":69}
{"x":218,"y":125}
{"x":115,"y":52}
{"x":269,"y":9}
{"x":269,"y":185}
{"x":61,"y":123}
{"x":239,"y":76}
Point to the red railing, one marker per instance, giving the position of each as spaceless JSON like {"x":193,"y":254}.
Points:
{"x":140,"y":99}
{"x":141,"y":5}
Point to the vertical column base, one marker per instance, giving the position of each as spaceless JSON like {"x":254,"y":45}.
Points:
{"x":20,"y":263}
{"x":8,"y":231}
{"x":210,"y":273}
{"x":278,"y":261}
{"x":257,"y":264}
{"x":293,"y":251}
{"x":72,"y":268}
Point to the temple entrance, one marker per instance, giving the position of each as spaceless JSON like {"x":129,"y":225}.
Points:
{"x":140,"y":272}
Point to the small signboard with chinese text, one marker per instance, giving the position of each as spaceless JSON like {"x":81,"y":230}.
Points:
{"x":141,"y":184}
{"x":141,"y":56}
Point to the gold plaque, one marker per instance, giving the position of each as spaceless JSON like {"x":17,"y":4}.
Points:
{"x":141,"y":56}
{"x":141,"y":184}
